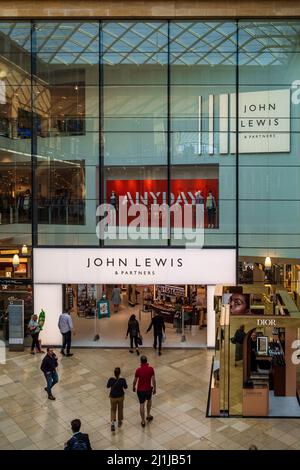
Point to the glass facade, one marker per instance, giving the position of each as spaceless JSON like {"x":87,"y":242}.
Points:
{"x":182,"y":112}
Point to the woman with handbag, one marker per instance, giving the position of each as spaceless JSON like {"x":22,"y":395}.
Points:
{"x":34,"y":328}
{"x":117,"y":386}
{"x":133,"y":331}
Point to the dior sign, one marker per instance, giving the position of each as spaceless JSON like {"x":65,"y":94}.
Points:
{"x":266,"y":322}
{"x":263,"y":122}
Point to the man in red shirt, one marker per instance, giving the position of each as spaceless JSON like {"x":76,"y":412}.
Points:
{"x":145,"y":377}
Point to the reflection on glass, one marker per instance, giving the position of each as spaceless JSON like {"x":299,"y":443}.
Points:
{"x":61,"y":197}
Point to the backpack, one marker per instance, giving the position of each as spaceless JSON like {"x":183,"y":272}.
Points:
{"x":78,"y":444}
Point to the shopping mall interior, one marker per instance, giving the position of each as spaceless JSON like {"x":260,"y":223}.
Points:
{"x":189,"y":108}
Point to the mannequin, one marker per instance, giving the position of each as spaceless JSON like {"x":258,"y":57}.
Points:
{"x":113,"y":199}
{"x":211,"y":209}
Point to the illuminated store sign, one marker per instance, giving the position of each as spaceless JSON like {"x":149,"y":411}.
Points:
{"x":264,"y":122}
{"x":136,"y":266}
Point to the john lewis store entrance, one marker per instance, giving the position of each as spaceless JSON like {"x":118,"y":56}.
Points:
{"x":149,"y":280}
{"x":100,"y":313}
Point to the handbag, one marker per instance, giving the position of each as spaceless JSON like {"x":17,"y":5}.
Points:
{"x":139,"y":340}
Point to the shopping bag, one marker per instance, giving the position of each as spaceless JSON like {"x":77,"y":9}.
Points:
{"x":140,"y":340}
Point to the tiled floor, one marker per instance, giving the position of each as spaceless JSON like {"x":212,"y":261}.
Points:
{"x":28,"y":420}
{"x":112,"y":330}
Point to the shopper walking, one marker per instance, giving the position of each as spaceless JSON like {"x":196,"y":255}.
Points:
{"x":78,"y":441}
{"x":48,"y":366}
{"x":116,"y":298}
{"x":159,"y":330}
{"x":145,"y":384}
{"x":65,"y":325}
{"x":34,"y":329}
{"x":133,"y":330}
{"x":117,"y":385}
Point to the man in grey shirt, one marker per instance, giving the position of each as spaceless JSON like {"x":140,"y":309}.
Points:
{"x":65,"y":325}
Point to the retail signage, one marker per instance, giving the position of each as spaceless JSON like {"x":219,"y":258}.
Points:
{"x":16,"y":322}
{"x":149,"y":192}
{"x":266,"y":322}
{"x":263,"y":120}
{"x":171,"y":290}
{"x":103,"y":308}
{"x":134,"y":266}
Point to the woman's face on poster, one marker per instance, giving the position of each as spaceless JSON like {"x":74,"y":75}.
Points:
{"x":238,"y":304}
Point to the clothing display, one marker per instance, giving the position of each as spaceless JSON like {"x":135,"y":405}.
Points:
{"x":211,"y":210}
{"x":113,"y":199}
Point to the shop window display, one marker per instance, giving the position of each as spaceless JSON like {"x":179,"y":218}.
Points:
{"x":86,"y":303}
{"x":197,"y":192}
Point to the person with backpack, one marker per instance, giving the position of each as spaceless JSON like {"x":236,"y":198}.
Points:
{"x":133,"y":331}
{"x":78,"y":441}
{"x":117,"y":385}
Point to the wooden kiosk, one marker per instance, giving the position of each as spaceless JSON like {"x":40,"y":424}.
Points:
{"x":267,"y":368}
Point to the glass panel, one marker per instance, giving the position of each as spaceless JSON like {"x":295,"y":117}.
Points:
{"x":135,"y":93}
{"x":66,"y":91}
{"x":134,"y":193}
{"x":135,"y":123}
{"x":203,"y":87}
{"x":269,"y":138}
{"x":15,"y":142}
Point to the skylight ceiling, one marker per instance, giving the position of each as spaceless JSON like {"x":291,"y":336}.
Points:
{"x":125,"y":42}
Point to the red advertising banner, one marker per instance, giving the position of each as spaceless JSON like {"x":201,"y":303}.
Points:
{"x":183,"y":191}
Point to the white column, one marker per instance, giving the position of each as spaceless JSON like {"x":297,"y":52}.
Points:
{"x":211,"y":124}
{"x":211,"y":317}
{"x":232,"y":123}
{"x":199,"y":125}
{"x":223,"y":123}
{"x":49,"y":298}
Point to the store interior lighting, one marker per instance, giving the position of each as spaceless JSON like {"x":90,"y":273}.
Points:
{"x":16,"y":261}
{"x":268,"y":262}
{"x":24,"y":250}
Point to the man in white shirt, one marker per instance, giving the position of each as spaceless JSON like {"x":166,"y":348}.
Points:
{"x":65,"y":325}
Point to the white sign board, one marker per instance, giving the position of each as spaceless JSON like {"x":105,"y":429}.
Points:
{"x":264,"y":121}
{"x":134,"y":266}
